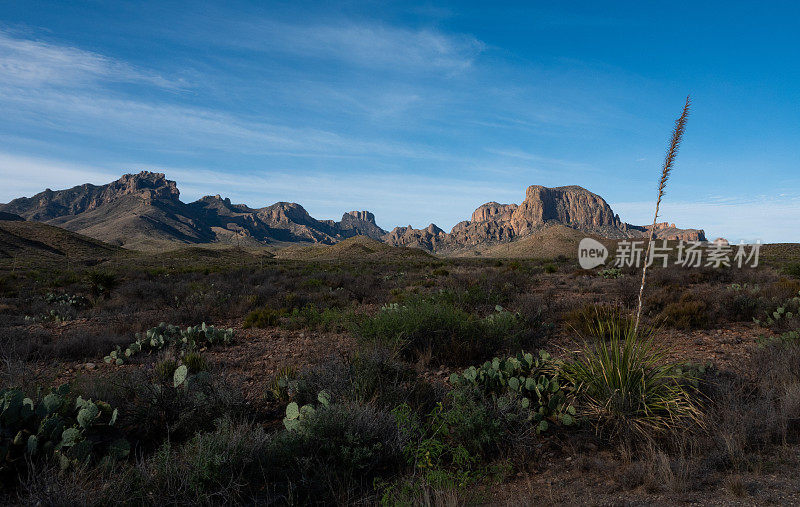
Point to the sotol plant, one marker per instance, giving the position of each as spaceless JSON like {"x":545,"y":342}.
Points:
{"x":626,"y":384}
{"x":669,"y":161}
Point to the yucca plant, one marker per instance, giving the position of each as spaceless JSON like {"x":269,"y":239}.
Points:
{"x":626,"y":384}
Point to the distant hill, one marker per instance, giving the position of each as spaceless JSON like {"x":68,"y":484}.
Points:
{"x":20,"y":239}
{"x":144,"y":211}
{"x":546,"y":243}
{"x":359,"y":247}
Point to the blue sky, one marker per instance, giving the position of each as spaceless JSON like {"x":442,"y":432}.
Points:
{"x":418,"y":112}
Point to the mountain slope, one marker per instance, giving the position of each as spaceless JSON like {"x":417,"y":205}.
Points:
{"x":21,"y":239}
{"x":358,"y":247}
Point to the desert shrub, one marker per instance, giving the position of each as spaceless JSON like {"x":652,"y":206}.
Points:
{"x":660,"y":296}
{"x":165,"y":370}
{"x":550,"y":268}
{"x":263,"y":317}
{"x":329,"y":319}
{"x":335,"y":454}
{"x":476,"y":422}
{"x":471,"y":298}
{"x":446,"y":333}
{"x":481,"y":291}
{"x":222,"y":466}
{"x":152,"y":408}
{"x":86,"y":485}
{"x":451,"y":447}
{"x":611,"y":273}
{"x":283,"y":379}
{"x":741,"y":303}
{"x":195,"y":362}
{"x":430,"y":449}
{"x":687,"y":313}
{"x":782,"y":289}
{"x":101,"y":283}
{"x":372,"y":376}
{"x":746,"y":416}
{"x":597,"y":320}
{"x":79,"y":344}
{"x":781,"y":315}
{"x":792,"y":269}
{"x":629,"y":389}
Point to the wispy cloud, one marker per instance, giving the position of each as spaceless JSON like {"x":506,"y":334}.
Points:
{"x":365,"y":44}
{"x":29,"y":63}
{"x":170,"y":126}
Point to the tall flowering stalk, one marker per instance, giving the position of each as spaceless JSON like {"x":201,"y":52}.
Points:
{"x":669,"y":161}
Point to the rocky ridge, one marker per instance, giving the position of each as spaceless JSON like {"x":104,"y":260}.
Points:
{"x":145,"y":209}
{"x":571,"y":206}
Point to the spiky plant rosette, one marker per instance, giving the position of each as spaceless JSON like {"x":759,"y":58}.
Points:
{"x":628,"y":387}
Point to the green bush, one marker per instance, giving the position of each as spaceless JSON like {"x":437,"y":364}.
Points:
{"x":371,"y":376}
{"x":429,"y":447}
{"x":445,"y":332}
{"x":309,"y":317}
{"x":336,"y":452}
{"x":742,"y":303}
{"x":279,"y":386}
{"x":782,"y":315}
{"x":263,"y":317}
{"x":688,"y":313}
{"x":154,"y":408}
{"x":101,"y":283}
{"x":219,"y":467}
{"x":165,"y":370}
{"x":195,"y":362}
{"x":611,"y":273}
{"x":550,"y":268}
{"x":792,"y":269}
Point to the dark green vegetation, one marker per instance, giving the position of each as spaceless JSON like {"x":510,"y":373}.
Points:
{"x":444,"y":379}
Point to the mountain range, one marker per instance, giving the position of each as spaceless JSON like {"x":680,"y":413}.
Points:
{"x":144,"y":211}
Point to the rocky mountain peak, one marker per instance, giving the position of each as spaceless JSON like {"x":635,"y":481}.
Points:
{"x":570,"y":205}
{"x":146,"y":184}
{"x":366,"y":216}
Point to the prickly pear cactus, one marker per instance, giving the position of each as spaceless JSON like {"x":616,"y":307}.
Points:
{"x":530,"y":379}
{"x":167,"y":335}
{"x":295,"y":415}
{"x":55,"y":426}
